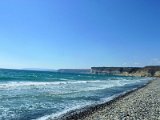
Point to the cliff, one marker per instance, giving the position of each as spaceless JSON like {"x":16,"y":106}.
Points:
{"x":148,"y":71}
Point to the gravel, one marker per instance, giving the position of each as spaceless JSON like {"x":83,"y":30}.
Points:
{"x":142,"y":104}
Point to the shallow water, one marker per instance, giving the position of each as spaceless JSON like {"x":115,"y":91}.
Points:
{"x":27,"y":95}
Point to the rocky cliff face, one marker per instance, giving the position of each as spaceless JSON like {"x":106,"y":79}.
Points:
{"x":148,"y":71}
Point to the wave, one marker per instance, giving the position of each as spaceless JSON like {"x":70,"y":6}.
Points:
{"x":15,"y":84}
{"x":55,"y":115}
{"x":103,"y":83}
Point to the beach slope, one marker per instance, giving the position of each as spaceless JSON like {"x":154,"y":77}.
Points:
{"x":142,"y":104}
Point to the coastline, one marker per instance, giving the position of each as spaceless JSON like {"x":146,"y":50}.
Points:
{"x":89,"y":112}
{"x":142,"y":104}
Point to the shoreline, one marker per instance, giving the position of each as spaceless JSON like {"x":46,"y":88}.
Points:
{"x":87,"y":111}
{"x":142,"y":104}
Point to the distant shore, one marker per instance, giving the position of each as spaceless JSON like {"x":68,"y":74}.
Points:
{"x":141,"y":103}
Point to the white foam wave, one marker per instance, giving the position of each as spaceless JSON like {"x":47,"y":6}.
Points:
{"x":92,"y":83}
{"x":43,"y":84}
{"x":56,"y":115}
{"x":27,"y":83}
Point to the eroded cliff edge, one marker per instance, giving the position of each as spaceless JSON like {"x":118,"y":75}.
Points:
{"x":148,"y":71}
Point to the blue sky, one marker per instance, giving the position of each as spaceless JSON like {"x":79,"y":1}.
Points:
{"x":79,"y":33}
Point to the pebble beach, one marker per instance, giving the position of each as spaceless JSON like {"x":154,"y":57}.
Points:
{"x":142,"y":104}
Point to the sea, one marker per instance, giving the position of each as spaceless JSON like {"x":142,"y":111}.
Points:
{"x":41,"y":95}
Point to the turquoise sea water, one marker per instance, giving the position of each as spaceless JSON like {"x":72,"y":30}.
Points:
{"x":27,"y":95}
